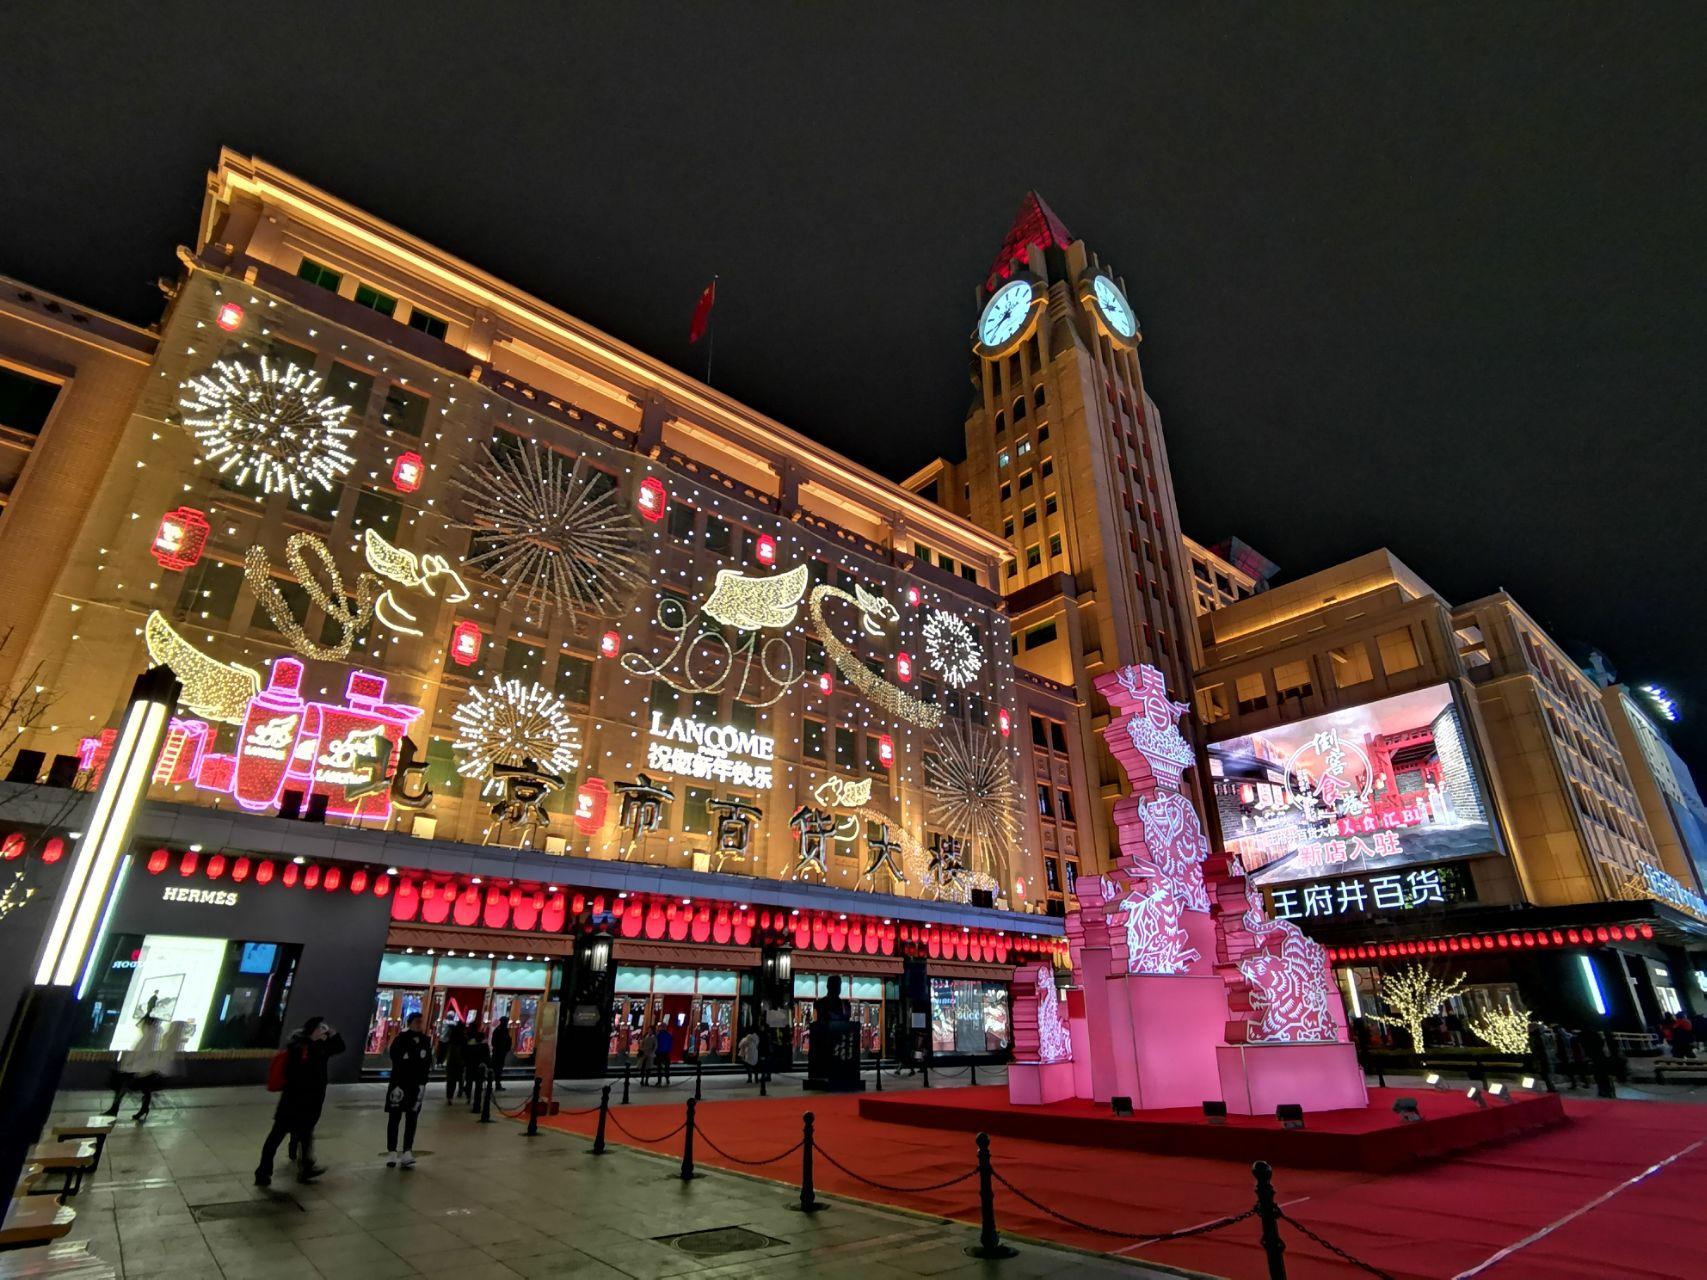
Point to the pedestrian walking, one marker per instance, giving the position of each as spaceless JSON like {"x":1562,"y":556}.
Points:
{"x":411,"y":1061}
{"x":1682,"y":1037}
{"x":452,"y":1052}
{"x":500,"y":1051}
{"x":648,"y":1055}
{"x":748,"y":1051}
{"x":301,"y":1083}
{"x":477,"y":1061}
{"x":666,"y":1042}
{"x":145,"y":1066}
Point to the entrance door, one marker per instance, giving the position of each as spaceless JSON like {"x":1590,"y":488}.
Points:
{"x":466,"y":1004}
{"x":674,"y":1011}
{"x":712,"y":1027}
{"x":521,"y":1010}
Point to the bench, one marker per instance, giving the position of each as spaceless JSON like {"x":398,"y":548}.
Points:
{"x":70,"y":1159}
{"x":66,"y":1260}
{"x":31,"y":1175}
{"x":1687,"y":1068}
{"x":98,"y":1127}
{"x":31,"y":1220}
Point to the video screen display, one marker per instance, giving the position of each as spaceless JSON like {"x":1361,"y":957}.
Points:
{"x":1388,"y":785}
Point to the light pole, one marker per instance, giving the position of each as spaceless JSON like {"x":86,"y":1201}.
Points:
{"x":45,"y":1021}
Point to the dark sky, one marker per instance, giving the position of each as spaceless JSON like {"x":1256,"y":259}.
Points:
{"x":1428,"y":278}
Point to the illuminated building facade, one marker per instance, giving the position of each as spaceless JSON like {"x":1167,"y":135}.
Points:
{"x":501,"y":601}
{"x":1417,"y":782}
{"x":1066,"y":463}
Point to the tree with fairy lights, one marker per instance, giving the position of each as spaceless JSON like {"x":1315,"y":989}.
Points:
{"x":1413,"y":994}
{"x":1505,"y":1029}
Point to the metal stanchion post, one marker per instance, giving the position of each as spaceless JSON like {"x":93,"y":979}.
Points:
{"x":880,"y":1073}
{"x":764,"y":1080}
{"x":989,"y":1243}
{"x":604,"y":1111}
{"x":474,"y":1092}
{"x":974,"y":1068}
{"x":486,"y":1099}
{"x":808,"y":1200}
{"x":532,"y":1131}
{"x":625,"y":1082}
{"x":927,"y":1066}
{"x":687,"y":1144}
{"x":698,"y":1076}
{"x":1269,"y":1213}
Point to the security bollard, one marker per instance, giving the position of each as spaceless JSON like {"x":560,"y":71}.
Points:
{"x":989,"y":1244}
{"x":764,"y":1081}
{"x":687,"y":1144}
{"x":476,"y":1091}
{"x":532,"y":1131}
{"x":974,"y":1072}
{"x":1269,"y":1213}
{"x":486,"y":1100}
{"x":604,"y":1111}
{"x":808,"y":1201}
{"x":880,"y":1073}
{"x":927,"y":1068}
{"x":698,"y":1076}
{"x":625,"y":1083}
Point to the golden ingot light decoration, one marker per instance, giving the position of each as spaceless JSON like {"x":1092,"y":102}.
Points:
{"x":510,"y":724}
{"x":952,"y":649}
{"x":430,"y":573}
{"x":351,"y":613}
{"x":213,"y":690}
{"x":552,"y":530}
{"x":271,"y":426}
{"x":875,"y":611}
{"x":756,"y":604}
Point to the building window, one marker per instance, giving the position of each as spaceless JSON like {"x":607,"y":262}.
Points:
{"x":315,"y":273}
{"x":1351,"y":665}
{"x":1008,"y":527}
{"x":969,"y":573}
{"x":428,"y":324}
{"x":845,"y":748}
{"x":574,"y":678}
{"x":378,"y":511}
{"x":1212,"y":704}
{"x":696,"y":810}
{"x":1030,"y":517}
{"x":1055,"y":544}
{"x":1023,"y":448}
{"x":942,"y":562}
{"x":1033,"y":557}
{"x":872,"y":763}
{"x":716,"y":535}
{"x":1252,"y":693}
{"x":665,"y":700}
{"x":371,"y":298}
{"x":1039,"y":397}
{"x":1039,"y":735}
{"x":1019,"y":409}
{"x":1049,"y":505}
{"x":350,"y":387}
{"x":1007,"y":491}
{"x":1037,"y":637}
{"x":521,"y":661}
{"x":1057,"y":737}
{"x":1048,"y":468}
{"x":1001,"y":422}
{"x":1002,"y":459}
{"x":812,"y":739}
{"x":1045,"y":802}
{"x":1025,"y":481}
{"x":1398,"y":651}
{"x":1064,"y":804}
{"x":1052,"y":875}
{"x":1073,"y":878}
{"x":404,"y":412}
{"x":681,"y":518}
{"x":25,"y":402}
{"x":1292,"y":680}
{"x":1042,"y":429}
{"x":922,"y":552}
{"x":209,"y":592}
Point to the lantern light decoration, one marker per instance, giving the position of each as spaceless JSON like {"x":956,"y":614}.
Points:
{"x":764,"y":549}
{"x":229,"y":316}
{"x":407,"y":472}
{"x":180,"y":539}
{"x":1004,"y":721}
{"x":885,"y":750}
{"x":592,"y":798}
{"x":652,"y":498}
{"x":904,"y":667}
{"x":610,"y":644}
{"x":826,"y":683}
{"x":465,"y":640}
{"x":913,"y":596}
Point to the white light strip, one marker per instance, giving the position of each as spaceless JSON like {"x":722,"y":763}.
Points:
{"x":1593,"y":984}
{"x":132,"y":786}
{"x":101,"y":931}
{"x":78,"y":874}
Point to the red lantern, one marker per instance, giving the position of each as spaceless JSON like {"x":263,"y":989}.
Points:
{"x":652,"y":498}
{"x":913,"y":596}
{"x":53,"y":850}
{"x":592,"y":800}
{"x":311,"y":877}
{"x":358,"y":881}
{"x":216,"y":866}
{"x":333,"y":878}
{"x":904,"y":667}
{"x":157,"y":861}
{"x":187,"y":864}
{"x":240,"y":870}
{"x":289,"y":878}
{"x":764,"y":549}
{"x":229,"y":316}
{"x":264,"y":873}
{"x":610,"y":644}
{"x":381,"y":886}
{"x":180,"y":539}
{"x":826,"y":683}
{"x":407,"y":472}
{"x":465,"y":641}
{"x":885,"y":750}
{"x":12,"y":847}
{"x":1004,"y":721}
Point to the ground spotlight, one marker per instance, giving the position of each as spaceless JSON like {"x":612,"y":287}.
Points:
{"x":1432,"y":1080}
{"x":1290,"y":1115}
{"x":1215,"y":1112}
{"x":1528,"y":1082}
{"x":1122,"y":1105}
{"x":1406,"y":1110}
{"x":1477,"y":1096}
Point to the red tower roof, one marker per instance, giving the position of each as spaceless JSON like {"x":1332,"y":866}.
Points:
{"x":1035,"y":227}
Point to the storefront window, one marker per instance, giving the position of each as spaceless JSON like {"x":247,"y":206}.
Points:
{"x":699,"y":1006}
{"x":866,"y":994}
{"x":229,"y":994}
{"x":968,"y":1015}
{"x":463,"y":988}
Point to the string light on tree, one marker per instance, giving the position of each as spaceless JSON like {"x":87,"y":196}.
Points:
{"x":952,"y":649}
{"x":1414,"y":994}
{"x":1505,"y":1029}
{"x":510,"y":723}
{"x":268,"y":427}
{"x":549,"y":529}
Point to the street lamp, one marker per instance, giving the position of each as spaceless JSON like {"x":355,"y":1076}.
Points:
{"x":44,"y":1024}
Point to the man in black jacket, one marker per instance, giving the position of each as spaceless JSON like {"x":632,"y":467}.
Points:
{"x":301,"y":1099}
{"x":500,"y":1051}
{"x":411,"y":1061}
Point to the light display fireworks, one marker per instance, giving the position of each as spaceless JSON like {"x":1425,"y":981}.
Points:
{"x":972,"y":793}
{"x":510,"y":723}
{"x":550,"y":529}
{"x":268,"y":427}
{"x":952,"y":649}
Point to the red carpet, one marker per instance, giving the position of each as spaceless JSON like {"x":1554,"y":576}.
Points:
{"x":1369,"y":1140}
{"x":1428,"y":1223}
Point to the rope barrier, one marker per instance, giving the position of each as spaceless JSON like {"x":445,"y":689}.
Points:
{"x":884,"y":1186}
{"x":636,"y":1137}
{"x":1146,"y":1237}
{"x":1334,"y":1248}
{"x":706,"y":1138}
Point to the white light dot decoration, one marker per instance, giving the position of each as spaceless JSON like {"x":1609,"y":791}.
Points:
{"x":509,"y":723}
{"x":952,"y":649}
{"x":267,"y":426}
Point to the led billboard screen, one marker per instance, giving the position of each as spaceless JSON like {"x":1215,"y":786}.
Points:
{"x":1387,"y":785}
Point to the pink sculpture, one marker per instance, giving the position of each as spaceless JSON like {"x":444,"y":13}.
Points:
{"x":1289,"y":980}
{"x":1155,"y":940}
{"x":1177,"y":847}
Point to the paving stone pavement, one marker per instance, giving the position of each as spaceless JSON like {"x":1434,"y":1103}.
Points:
{"x":174,"y":1198}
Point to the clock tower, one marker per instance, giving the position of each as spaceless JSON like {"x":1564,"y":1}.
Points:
{"x":1065,"y":459}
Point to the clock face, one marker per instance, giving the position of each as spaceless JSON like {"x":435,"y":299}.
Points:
{"x":1005,"y":314}
{"x":1116,"y":310}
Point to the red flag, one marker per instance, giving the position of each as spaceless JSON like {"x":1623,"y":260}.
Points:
{"x":702,"y":312}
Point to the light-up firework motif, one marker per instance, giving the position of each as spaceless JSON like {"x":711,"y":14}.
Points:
{"x":511,"y":723}
{"x":268,"y":427}
{"x":952,"y":649}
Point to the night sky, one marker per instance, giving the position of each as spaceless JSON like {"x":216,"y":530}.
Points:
{"x":1428,"y":278}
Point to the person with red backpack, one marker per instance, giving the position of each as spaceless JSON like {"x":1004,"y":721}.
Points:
{"x":298,"y":1075}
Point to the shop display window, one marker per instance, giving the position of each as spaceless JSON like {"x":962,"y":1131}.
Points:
{"x":865,"y":994}
{"x":701,"y":1007}
{"x":228,"y":993}
{"x":468,"y":989}
{"x":968,"y":1015}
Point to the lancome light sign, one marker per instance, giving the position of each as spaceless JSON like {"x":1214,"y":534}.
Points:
{"x":694,"y":749}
